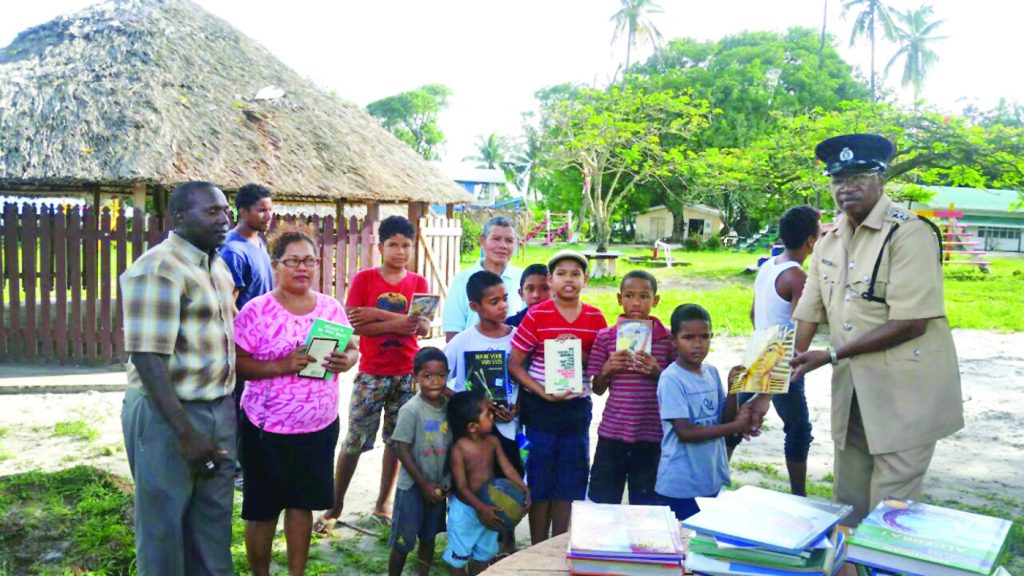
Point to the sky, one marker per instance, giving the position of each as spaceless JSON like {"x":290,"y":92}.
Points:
{"x":495,"y":54}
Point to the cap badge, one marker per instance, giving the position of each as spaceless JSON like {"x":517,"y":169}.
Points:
{"x":846,"y":155}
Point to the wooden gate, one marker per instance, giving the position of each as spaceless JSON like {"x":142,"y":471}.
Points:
{"x":437,"y":258}
{"x":59,"y":294}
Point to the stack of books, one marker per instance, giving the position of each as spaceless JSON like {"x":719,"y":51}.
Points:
{"x":905,"y":537}
{"x":753,"y":531}
{"x":614,"y":540}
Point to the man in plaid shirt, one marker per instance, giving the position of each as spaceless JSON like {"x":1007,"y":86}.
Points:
{"x":178,"y":417}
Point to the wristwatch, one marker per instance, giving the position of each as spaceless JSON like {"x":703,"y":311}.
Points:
{"x":832,"y":355}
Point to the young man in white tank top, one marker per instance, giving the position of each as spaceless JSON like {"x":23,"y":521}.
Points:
{"x":777,"y":289}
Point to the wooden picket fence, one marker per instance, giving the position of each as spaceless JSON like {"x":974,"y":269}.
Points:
{"x":60,"y":298}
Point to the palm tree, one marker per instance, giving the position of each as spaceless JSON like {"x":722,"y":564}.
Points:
{"x":493,"y":153}
{"x":824,"y":37}
{"x":915,"y":36}
{"x":634,"y":20}
{"x":872,"y":12}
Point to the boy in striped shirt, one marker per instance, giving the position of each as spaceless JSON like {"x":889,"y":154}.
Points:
{"x":629,"y":437}
{"x":557,"y":425}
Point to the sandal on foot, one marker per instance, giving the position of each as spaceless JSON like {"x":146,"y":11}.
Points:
{"x":382,"y":519}
{"x":324,"y":525}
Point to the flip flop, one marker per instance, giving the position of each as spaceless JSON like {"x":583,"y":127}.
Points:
{"x":382,"y":519}
{"x":324,"y":525}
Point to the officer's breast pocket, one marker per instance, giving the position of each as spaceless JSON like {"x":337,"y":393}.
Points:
{"x":862,"y":285}
{"x":827,"y":281}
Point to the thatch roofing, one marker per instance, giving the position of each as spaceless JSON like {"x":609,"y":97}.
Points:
{"x":161,"y":91}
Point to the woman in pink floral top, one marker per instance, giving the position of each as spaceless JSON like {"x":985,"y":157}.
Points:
{"x":289,"y":423}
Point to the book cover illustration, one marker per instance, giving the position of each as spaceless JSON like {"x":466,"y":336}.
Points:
{"x":563,"y":366}
{"x":617,"y":531}
{"x":633,"y":335}
{"x":320,"y":331}
{"x":424,"y":305}
{"x":766,"y":359}
{"x":487,"y":370}
{"x":953,"y":538}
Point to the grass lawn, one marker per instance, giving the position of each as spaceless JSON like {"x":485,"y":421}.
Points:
{"x":716,"y":280}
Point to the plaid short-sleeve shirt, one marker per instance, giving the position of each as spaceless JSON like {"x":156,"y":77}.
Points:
{"x":178,"y":302}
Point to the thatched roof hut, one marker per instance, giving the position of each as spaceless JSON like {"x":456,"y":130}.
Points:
{"x":160,"y":91}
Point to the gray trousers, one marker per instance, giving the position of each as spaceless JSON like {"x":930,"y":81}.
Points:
{"x":182,"y":523}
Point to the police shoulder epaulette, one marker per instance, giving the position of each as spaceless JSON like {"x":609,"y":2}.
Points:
{"x":898,"y":214}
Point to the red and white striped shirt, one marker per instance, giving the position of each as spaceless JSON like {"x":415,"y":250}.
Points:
{"x":544,"y":322}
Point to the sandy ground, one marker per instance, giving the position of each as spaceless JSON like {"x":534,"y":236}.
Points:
{"x":979,"y":465}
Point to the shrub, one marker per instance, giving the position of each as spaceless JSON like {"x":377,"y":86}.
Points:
{"x":470,"y":236}
{"x":693,"y":243}
{"x":714,"y":243}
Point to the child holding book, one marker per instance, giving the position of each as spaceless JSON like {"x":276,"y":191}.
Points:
{"x":378,"y":304}
{"x":473,"y":525}
{"x":487,"y":297}
{"x":557,"y":425}
{"x":629,"y":436}
{"x":696,"y":416}
{"x":422,"y":439}
{"x":534,"y":288}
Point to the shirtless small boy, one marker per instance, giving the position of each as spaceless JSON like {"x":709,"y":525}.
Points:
{"x":473,"y":525}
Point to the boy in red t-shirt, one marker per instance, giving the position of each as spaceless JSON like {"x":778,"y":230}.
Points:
{"x":378,"y":307}
{"x":557,"y":426}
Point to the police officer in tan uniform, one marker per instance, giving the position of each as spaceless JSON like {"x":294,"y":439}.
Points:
{"x":876,"y":279}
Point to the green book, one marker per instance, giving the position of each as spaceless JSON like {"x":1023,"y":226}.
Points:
{"x":907,"y":536}
{"x":324,"y":337}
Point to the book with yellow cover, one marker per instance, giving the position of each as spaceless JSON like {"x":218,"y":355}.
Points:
{"x":766,"y":361}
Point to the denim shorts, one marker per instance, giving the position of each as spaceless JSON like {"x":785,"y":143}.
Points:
{"x":413,"y":519}
{"x":558,"y":466}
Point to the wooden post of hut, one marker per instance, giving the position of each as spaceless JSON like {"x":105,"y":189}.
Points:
{"x":371,"y":258}
{"x":417,"y":210}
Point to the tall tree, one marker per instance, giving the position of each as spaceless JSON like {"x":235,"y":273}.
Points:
{"x":634,"y":21}
{"x":412,"y":117}
{"x":752,"y":77}
{"x":619,"y":138}
{"x":491,"y":152}
{"x":915,"y":34}
{"x":824,"y":35}
{"x":870,"y":14}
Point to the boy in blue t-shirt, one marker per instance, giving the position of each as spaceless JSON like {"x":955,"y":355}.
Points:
{"x":696,"y":416}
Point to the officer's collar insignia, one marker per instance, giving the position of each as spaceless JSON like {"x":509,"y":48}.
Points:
{"x":900,"y":215}
{"x":846,"y":155}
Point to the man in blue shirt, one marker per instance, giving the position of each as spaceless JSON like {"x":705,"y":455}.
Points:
{"x":244,"y":249}
{"x":498,"y":241}
{"x":245,"y":252}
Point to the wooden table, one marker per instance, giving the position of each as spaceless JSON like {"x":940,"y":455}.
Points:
{"x":545,"y":558}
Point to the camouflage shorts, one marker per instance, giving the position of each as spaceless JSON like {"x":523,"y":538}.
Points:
{"x":370,"y":396}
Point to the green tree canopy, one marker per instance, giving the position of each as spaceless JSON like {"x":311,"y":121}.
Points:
{"x":752,"y":75}
{"x":412,"y":117}
{"x":762,"y":180}
{"x":617,"y":139}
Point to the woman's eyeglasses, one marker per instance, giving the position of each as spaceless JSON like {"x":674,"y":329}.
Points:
{"x":308,"y":262}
